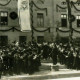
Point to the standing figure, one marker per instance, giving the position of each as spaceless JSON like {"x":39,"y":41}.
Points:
{"x":70,"y":58}
{"x":54,"y":54}
{"x":45,"y":51}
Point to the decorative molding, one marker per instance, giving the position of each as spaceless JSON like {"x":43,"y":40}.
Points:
{"x":48,"y":29}
{"x":63,"y":3}
{"x":39,"y":7}
{"x":75,"y":7}
{"x":57,"y":6}
{"x":40,"y":1}
{"x":5,"y":3}
{"x":12,"y":28}
{"x":61,"y":30}
{"x":13,"y":15}
{"x":72,"y":4}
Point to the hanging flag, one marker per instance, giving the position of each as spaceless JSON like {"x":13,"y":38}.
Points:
{"x":24,"y":15}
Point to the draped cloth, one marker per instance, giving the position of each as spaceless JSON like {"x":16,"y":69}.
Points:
{"x":24,"y":15}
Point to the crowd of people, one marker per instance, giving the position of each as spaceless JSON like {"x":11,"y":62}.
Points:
{"x":26,"y":58}
{"x":66,"y":54}
{"x":17,"y":59}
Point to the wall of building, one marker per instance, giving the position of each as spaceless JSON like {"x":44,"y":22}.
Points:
{"x":48,"y":21}
{"x":57,"y":18}
{"x":52,"y":20}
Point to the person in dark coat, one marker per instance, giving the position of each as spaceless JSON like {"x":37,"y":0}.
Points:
{"x":36,"y":61}
{"x":62,"y":56}
{"x":17,"y":64}
{"x":76,"y":59}
{"x":54,"y":54}
{"x":10,"y":63}
{"x":25,"y":61}
{"x":70,"y":59}
{"x":1,"y":65}
{"x":30,"y":62}
{"x":5,"y":63}
{"x":45,"y":51}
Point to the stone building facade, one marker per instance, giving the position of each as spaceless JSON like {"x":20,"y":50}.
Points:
{"x":42,"y":22}
{"x":50,"y":21}
{"x":61,"y":20}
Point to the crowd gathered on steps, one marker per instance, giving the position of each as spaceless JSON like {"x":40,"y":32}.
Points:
{"x":26,"y":58}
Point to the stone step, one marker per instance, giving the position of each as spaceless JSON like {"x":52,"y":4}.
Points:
{"x":45,"y":66}
{"x":63,"y":73}
{"x":50,"y":66}
{"x":57,"y":76}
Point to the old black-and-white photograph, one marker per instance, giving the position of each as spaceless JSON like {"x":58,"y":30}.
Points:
{"x":39,"y":39}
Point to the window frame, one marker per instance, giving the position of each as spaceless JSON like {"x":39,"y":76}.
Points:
{"x":39,"y":19}
{"x":2,"y":42}
{"x":78,"y":20}
{"x":63,"y":17}
{"x":4,"y":22}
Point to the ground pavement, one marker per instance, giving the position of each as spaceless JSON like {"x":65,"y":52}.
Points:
{"x":47,"y":73}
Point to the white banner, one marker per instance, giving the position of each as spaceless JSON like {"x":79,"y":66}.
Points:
{"x":24,"y":15}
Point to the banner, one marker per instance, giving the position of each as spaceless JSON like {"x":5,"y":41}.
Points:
{"x":24,"y":15}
